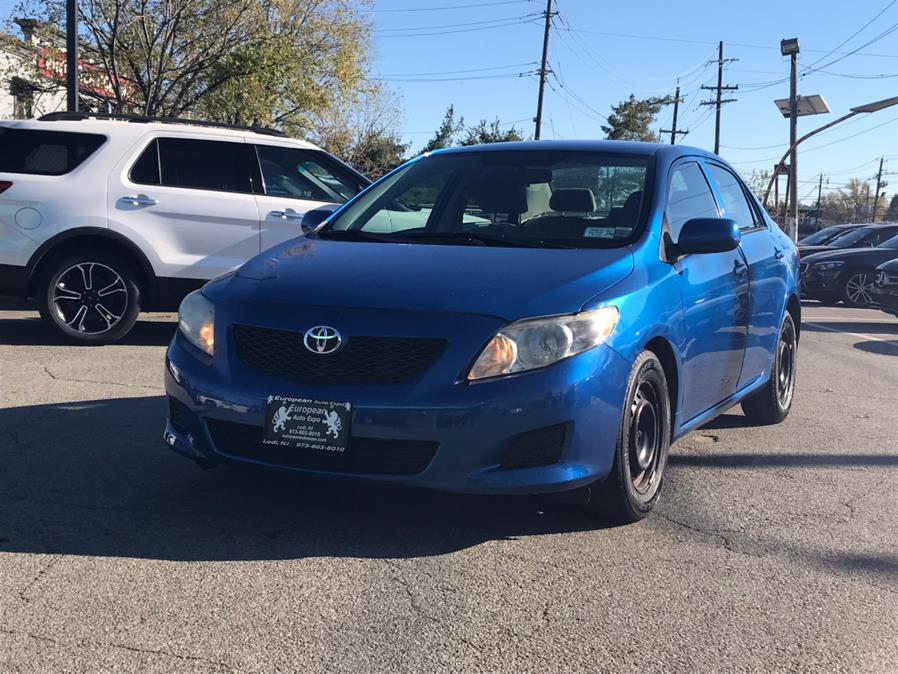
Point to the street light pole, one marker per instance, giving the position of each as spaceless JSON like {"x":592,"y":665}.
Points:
{"x":71,"y":55}
{"x":861,"y":109}
{"x":791,"y":48}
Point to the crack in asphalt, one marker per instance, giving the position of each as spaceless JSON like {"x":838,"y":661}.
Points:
{"x":724,"y":539}
{"x":97,"y":381}
{"x":85,"y":643}
{"x":53,"y":561}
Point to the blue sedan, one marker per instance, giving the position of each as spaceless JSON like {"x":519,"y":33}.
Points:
{"x":514,"y":318}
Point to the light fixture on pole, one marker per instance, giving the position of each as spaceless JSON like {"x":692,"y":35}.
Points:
{"x":791,"y":48}
{"x":868,"y":108}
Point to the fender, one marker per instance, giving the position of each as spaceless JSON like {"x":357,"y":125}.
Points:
{"x":145,"y":269}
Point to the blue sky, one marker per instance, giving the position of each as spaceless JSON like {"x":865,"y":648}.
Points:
{"x":600,"y":52}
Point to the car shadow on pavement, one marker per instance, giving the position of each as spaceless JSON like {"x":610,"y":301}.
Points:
{"x":93,"y":478}
{"x":887,"y":327}
{"x":32,"y":331}
{"x":880,"y":348}
{"x":784,"y":460}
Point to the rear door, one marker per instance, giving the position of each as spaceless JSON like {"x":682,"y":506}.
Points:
{"x":188,"y":202}
{"x":295,"y":181}
{"x":766,"y":272}
{"x":714,"y":289}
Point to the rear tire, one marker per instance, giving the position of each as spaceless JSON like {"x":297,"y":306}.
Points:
{"x":771,"y":405}
{"x":90,"y":298}
{"x":857,"y":288}
{"x":633,"y":487}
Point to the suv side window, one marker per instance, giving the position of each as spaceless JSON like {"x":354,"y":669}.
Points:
{"x":735,"y":203}
{"x":304,"y":174}
{"x":689,"y":197}
{"x":195,"y":164}
{"x":45,"y":153}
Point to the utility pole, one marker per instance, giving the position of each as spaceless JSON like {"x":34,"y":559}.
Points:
{"x":719,"y":99}
{"x":879,"y":186}
{"x":819,"y":197}
{"x":543,"y":70}
{"x":793,"y":136}
{"x":71,"y":55}
{"x":673,"y":129}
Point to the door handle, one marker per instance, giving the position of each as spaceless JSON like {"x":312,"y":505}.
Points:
{"x":288,"y":214}
{"x":739,"y":268}
{"x":139,"y":200}
{"x":778,"y":253}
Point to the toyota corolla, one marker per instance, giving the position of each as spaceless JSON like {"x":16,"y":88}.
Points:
{"x":514,"y":318}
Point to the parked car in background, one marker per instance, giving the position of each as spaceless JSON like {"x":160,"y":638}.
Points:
{"x":552,"y":316}
{"x":885,"y":289}
{"x":104,"y":216}
{"x":825,"y":235}
{"x":846,"y":275}
{"x":861,"y":236}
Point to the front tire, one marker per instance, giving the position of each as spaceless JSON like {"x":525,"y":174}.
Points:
{"x":771,"y":405}
{"x":90,"y":298}
{"x":633,"y":487}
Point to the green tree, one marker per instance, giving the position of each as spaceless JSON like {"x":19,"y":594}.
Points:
{"x":361,"y":130}
{"x":853,"y":203}
{"x":490,"y":132}
{"x":252,"y":61}
{"x":892,"y":212}
{"x":445,"y":135}
{"x":632,"y":119}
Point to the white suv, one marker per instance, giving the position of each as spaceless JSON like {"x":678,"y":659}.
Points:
{"x":104,"y":216}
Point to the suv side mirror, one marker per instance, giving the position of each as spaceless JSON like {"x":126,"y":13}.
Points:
{"x":708,"y":235}
{"x":316,"y":216}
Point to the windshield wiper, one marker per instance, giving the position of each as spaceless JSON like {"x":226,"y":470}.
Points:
{"x":351,"y":235}
{"x":476,"y":238}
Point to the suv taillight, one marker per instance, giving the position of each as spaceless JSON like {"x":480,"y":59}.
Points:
{"x":5,"y":185}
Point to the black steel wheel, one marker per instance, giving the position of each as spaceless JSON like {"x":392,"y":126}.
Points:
{"x":772,"y":403}
{"x":90,"y":298}
{"x":633,"y":487}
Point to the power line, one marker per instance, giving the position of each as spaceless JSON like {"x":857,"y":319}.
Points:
{"x":719,"y":100}
{"x":461,"y":72}
{"x":459,"y":30}
{"x":456,"y":25}
{"x":888,"y":31}
{"x":450,"y":7}
{"x":496,"y":76}
{"x":852,"y":36}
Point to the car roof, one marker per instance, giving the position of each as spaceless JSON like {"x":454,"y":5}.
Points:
{"x":126,"y":128}
{"x":635,"y":148}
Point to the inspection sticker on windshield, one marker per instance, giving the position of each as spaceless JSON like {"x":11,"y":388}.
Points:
{"x":599,"y":232}
{"x":307,"y":424}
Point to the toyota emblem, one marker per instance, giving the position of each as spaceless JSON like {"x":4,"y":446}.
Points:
{"x":323,"y":339}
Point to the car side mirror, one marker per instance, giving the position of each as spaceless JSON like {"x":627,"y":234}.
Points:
{"x":316,"y":216}
{"x":708,"y":235}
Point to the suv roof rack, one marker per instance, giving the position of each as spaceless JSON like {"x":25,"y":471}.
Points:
{"x":146,"y":119}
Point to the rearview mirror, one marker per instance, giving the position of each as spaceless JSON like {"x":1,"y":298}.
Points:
{"x":316,"y":216}
{"x":708,"y":235}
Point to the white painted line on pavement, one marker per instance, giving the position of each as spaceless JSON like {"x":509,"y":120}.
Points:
{"x":893,"y":342}
{"x":845,"y":320}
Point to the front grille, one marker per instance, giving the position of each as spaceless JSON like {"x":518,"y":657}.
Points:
{"x":363,"y":360}
{"x":363,"y":456}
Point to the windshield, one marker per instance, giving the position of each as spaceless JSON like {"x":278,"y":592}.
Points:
{"x":821,"y":237}
{"x":851,"y":238}
{"x":518,"y":198}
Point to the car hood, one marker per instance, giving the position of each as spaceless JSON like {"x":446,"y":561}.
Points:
{"x":508,"y":283}
{"x":890,"y":265}
{"x":849,"y":254}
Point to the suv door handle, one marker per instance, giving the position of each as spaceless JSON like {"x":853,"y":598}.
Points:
{"x":778,"y":253}
{"x":139,"y":200}
{"x":739,"y":268}
{"x":288,"y":214}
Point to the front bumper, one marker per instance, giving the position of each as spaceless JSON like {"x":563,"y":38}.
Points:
{"x":885,"y":297}
{"x":472,"y":427}
{"x":815,"y":282}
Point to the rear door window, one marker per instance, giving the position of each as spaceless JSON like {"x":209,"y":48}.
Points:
{"x":689,"y":197}
{"x":304,"y":174}
{"x":735,"y":202}
{"x":48,"y":153}
{"x":200,"y":165}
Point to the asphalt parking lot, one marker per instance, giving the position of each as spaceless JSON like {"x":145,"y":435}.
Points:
{"x":774,"y":549}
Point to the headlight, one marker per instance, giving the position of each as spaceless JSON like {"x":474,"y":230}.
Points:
{"x":827,"y":266}
{"x":196,"y":320}
{"x":534,"y":343}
